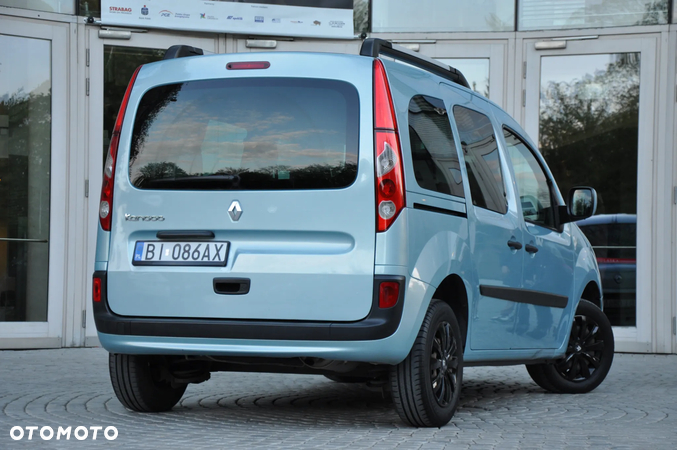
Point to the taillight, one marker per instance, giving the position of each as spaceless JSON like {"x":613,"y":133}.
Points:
{"x":106,"y":204}
{"x":96,"y":289}
{"x":387,"y":154}
{"x":388,"y":293}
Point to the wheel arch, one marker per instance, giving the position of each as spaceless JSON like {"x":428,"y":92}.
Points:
{"x":593,"y":294}
{"x":453,"y":292}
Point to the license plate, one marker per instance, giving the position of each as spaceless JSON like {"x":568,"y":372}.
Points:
{"x":164,"y":253}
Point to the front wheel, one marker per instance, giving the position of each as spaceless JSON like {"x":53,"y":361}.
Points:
{"x":426,"y":386}
{"x":140,"y":383}
{"x":588,"y":357}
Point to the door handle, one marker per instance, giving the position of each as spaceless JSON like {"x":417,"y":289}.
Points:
{"x":514,"y":245}
{"x":531,"y":248}
{"x":231,"y":286}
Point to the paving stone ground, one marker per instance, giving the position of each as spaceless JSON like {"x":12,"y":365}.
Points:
{"x":501,"y":408}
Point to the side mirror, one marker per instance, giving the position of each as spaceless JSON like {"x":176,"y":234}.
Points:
{"x":582,"y":203}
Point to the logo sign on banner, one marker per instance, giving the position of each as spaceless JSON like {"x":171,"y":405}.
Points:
{"x":300,"y":18}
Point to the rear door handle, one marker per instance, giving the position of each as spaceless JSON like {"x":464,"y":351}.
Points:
{"x":231,"y":286}
{"x":531,"y":248}
{"x":514,"y":245}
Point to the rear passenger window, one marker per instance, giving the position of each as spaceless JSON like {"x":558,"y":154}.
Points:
{"x":433,"y":150}
{"x":482,"y":161}
{"x":254,"y":134}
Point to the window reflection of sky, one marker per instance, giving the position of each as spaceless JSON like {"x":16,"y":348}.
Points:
{"x":573,"y":67}
{"x":20,"y":71}
{"x":475,"y":70}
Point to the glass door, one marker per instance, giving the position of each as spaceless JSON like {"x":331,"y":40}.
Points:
{"x":33,"y":149}
{"x":589,"y":103}
{"x":111,"y":64}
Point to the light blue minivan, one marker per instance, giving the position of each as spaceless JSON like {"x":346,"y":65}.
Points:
{"x":363,"y":217}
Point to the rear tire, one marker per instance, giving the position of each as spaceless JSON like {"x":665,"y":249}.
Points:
{"x":426,"y":386}
{"x":139,"y":384}
{"x":588,"y":357}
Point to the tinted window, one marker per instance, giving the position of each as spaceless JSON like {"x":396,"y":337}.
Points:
{"x":272,"y":133}
{"x":481,"y":159}
{"x":534,"y":191}
{"x":433,"y":150}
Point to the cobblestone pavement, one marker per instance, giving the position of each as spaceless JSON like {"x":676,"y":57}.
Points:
{"x":501,"y":408}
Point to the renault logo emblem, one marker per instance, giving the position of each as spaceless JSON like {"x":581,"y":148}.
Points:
{"x":235,"y":211}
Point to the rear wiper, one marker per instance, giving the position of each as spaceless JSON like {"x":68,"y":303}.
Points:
{"x":195,"y":182}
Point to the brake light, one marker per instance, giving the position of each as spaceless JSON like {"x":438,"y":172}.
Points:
{"x":390,"y":198}
{"x":388,"y":293}
{"x":96,"y":289}
{"x":106,"y":204}
{"x":248,"y":65}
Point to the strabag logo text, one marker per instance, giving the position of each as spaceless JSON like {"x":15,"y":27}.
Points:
{"x":118,"y":10}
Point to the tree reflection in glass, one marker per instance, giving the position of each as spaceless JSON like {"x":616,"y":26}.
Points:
{"x":588,"y":133}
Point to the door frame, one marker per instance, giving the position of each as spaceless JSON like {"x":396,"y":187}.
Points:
{"x":641,"y":337}
{"x":671,"y":150}
{"x":17,"y":335}
{"x":208,"y":42}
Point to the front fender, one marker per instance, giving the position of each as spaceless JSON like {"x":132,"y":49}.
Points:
{"x":585,"y":265}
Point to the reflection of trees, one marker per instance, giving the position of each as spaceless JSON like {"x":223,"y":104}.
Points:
{"x":157,"y":170}
{"x":655,"y":13}
{"x":624,"y":11}
{"x":28,"y":145}
{"x":361,"y":16}
{"x":589,"y":132}
{"x":151,"y":105}
{"x":119,"y":65}
{"x":316,"y":176}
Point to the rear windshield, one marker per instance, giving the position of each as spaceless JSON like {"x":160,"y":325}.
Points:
{"x":260,"y":133}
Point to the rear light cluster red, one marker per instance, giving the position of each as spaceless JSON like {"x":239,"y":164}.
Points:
{"x":106,"y":204}
{"x":387,"y":154}
{"x":388,"y":293}
{"x":96,"y":289}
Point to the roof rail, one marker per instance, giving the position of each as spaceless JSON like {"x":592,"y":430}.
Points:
{"x":181,"y":51}
{"x":375,"y":47}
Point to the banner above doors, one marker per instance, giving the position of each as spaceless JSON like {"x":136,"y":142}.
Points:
{"x":324,"y":19}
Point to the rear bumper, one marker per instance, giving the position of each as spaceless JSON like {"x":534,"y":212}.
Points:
{"x":379,"y":323}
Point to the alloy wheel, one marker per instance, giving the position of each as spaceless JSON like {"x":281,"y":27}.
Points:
{"x":584,"y":351}
{"x":444,"y":364}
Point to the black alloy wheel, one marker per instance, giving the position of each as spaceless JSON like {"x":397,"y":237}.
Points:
{"x":444,"y":365}
{"x":584,"y":352}
{"x":426,"y":386}
{"x":588,"y":356}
